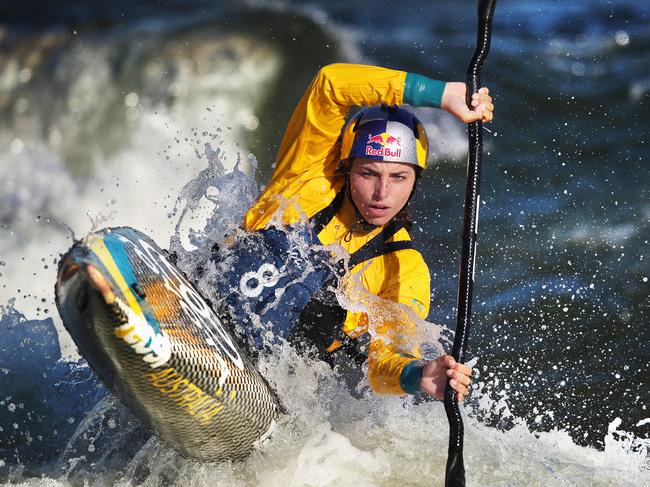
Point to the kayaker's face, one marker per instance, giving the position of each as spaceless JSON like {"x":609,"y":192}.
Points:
{"x":380,"y":189}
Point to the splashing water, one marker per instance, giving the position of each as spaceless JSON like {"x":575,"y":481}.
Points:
{"x":328,"y":436}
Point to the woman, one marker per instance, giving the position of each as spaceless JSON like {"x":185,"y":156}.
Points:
{"x":351,"y":194}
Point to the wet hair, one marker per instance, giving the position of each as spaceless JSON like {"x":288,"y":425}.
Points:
{"x":403,"y":217}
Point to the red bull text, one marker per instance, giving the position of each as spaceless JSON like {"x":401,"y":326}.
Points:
{"x":383,"y":145}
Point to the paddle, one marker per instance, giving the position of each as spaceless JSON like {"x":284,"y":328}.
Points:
{"x":455,"y":475}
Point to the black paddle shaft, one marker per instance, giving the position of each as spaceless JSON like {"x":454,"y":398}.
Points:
{"x":455,"y":474}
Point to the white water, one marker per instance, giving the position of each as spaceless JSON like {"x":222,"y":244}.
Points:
{"x":138,"y":186}
{"x":328,"y":437}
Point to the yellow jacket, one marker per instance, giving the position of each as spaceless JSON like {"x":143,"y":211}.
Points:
{"x":305,"y":180}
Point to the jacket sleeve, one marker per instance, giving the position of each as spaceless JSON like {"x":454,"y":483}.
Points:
{"x":394,"y":365}
{"x":401,"y":279}
{"x":305,"y":171}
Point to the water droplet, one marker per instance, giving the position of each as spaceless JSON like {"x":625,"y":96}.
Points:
{"x":622,"y":38}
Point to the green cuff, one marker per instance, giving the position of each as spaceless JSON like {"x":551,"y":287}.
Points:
{"x":409,"y":379}
{"x":420,"y":91}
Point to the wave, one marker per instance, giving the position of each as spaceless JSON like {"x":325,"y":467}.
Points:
{"x":75,"y":433}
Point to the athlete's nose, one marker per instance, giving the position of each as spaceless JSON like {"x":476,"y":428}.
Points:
{"x":382,"y":184}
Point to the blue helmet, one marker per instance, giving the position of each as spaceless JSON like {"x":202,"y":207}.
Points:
{"x":386,"y":133}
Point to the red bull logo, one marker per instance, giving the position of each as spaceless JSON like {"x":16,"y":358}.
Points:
{"x":383,"y":145}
